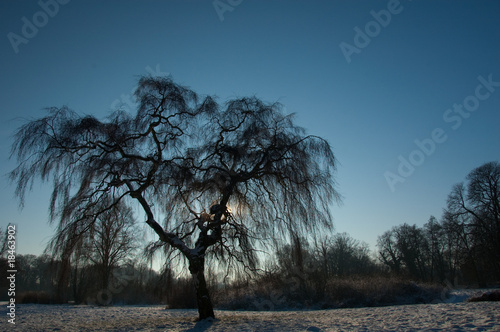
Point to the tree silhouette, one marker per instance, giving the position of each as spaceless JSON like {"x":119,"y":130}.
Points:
{"x":104,"y":242}
{"x":474,"y":208}
{"x":214,"y":182}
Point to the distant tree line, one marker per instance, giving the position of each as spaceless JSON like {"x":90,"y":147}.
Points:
{"x":336,"y":271}
{"x":38,"y":281}
{"x":461,"y":248}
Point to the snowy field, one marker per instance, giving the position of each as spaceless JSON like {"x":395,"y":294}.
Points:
{"x":455,"y":315}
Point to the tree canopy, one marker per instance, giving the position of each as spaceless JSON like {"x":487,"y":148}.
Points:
{"x":213,"y":180}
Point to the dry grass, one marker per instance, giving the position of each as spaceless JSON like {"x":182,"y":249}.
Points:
{"x":336,"y":293}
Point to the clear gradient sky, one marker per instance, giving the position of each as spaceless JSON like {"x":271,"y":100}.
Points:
{"x":369,"y":76}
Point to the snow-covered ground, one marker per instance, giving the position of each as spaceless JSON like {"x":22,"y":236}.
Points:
{"x":455,"y":315}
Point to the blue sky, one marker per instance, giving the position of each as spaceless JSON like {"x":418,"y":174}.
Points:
{"x":371,"y":106}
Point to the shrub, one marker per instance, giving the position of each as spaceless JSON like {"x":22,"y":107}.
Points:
{"x":37,"y":297}
{"x":486,"y":296}
{"x":270,"y":294}
{"x":377,"y":291}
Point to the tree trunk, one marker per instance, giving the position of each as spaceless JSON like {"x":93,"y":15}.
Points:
{"x":64,"y":278}
{"x":205,"y":307}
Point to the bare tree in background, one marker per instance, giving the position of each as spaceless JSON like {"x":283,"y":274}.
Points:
{"x":214,"y":182}
{"x":436,"y":239}
{"x":405,"y":246}
{"x":389,"y":252}
{"x":474,"y":209}
{"x":104,"y":241}
{"x":112,"y":241}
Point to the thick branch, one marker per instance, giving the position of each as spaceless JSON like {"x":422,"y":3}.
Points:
{"x":166,"y":237}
